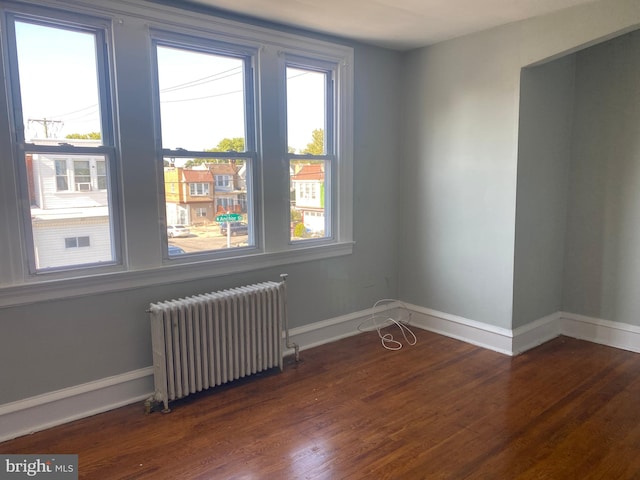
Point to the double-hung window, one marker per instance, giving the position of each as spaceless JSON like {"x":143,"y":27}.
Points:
{"x":311,"y":146}
{"x":206,"y":118}
{"x":64,"y":141}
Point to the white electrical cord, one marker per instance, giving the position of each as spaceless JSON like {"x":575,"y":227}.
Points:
{"x":387,"y":339}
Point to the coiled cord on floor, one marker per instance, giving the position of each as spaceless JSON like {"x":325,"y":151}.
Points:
{"x":380,"y":321}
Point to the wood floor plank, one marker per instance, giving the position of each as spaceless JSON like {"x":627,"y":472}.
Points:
{"x":441,"y":409}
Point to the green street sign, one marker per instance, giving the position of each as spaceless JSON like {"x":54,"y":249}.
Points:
{"x":228,"y":217}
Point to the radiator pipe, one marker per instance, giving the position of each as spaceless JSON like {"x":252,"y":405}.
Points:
{"x":288,"y":342}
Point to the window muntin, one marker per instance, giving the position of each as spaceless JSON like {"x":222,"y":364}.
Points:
{"x":62,"y":130}
{"x":311,"y":152}
{"x":205,"y":103}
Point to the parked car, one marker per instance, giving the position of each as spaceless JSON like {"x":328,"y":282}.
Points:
{"x":177,"y":231}
{"x":237,"y":228}
{"x":175,"y":250}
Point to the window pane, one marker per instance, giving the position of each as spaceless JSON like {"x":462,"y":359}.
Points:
{"x":58,"y":82}
{"x":308,"y":202}
{"x":62,"y":177}
{"x":306,"y":122}
{"x":306,"y":111}
{"x":61,"y":219}
{"x":201,"y":99}
{"x":101,"y":174}
{"x":82,"y":175}
{"x":195,"y":202}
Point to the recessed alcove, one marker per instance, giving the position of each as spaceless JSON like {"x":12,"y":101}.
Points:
{"x":577,"y":245}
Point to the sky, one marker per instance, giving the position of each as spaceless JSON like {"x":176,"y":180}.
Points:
{"x":201,"y":94}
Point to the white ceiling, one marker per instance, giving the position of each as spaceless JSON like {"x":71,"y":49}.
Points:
{"x":396,"y":24}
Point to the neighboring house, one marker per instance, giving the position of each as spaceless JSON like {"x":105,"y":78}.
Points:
{"x":230,"y":187}
{"x":189,"y":195}
{"x":307,"y":183}
{"x":69,"y":208}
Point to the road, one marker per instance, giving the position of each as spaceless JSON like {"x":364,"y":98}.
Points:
{"x":207,"y":238}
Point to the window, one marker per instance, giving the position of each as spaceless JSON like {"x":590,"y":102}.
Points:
{"x":310,"y":134}
{"x":101,"y":174}
{"x":82,"y":175}
{"x":223,"y":181}
{"x":55,"y":114}
{"x":62,"y":177}
{"x":206,"y":126}
{"x":87,"y":173}
{"x":76,"y":242}
{"x":226,"y":123}
{"x":198,"y":189}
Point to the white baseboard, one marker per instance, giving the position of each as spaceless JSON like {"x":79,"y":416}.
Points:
{"x":514,"y":342}
{"x":44,"y":411}
{"x":62,"y":406}
{"x":334,"y":329}
{"x":470,"y":331}
{"x":536,"y":333}
{"x":604,"y":332}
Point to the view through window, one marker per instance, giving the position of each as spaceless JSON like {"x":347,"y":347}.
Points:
{"x":62,"y":101}
{"x":207,"y":166}
{"x":309,"y":111}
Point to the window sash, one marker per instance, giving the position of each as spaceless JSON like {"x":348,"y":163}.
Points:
{"x":64,"y":179}
{"x":327,"y":199}
{"x":249,"y":156}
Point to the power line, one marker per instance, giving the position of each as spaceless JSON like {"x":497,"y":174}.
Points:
{"x":200,"y":98}
{"x":201,"y":81}
{"x":75,"y":111}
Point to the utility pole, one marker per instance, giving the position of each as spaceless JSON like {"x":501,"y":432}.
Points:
{"x":45,"y":122}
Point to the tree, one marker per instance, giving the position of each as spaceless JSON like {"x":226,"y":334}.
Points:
{"x":85,"y":136}
{"x":316,"y":147}
{"x":235,"y":144}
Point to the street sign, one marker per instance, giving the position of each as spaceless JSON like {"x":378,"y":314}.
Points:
{"x":228,"y":217}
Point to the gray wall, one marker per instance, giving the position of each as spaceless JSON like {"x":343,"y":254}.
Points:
{"x":458,"y":176}
{"x":461,"y":105}
{"x":602,"y":275}
{"x":544,"y":152}
{"x":57,"y":344}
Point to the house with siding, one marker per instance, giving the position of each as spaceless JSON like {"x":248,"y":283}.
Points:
{"x":189,"y":196}
{"x":230,"y":187}
{"x":307,"y":183}
{"x":69,"y":207}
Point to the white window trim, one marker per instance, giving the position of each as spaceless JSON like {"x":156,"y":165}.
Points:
{"x":149,"y":266}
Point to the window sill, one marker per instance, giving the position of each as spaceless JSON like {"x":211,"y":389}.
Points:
{"x":112,"y":282}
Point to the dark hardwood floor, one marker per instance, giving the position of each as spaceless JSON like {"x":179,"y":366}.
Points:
{"x":442,"y":409}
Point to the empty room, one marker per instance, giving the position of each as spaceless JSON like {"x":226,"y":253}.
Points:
{"x":319,"y":240}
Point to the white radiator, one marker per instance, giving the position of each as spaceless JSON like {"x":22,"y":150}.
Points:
{"x":207,"y":340}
